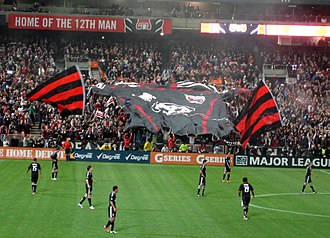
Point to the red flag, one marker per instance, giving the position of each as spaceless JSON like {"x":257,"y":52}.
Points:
{"x":259,"y":115}
{"x":65,"y":90}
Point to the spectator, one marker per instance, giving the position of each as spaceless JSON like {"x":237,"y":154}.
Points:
{"x":164,"y":148}
{"x":127,"y":141}
{"x":14,"y":141}
{"x":183,"y":148}
{"x":148,"y":146}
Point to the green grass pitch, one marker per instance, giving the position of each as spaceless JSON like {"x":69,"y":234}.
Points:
{"x":161,"y":201}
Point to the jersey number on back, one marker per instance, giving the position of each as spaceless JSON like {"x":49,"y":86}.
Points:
{"x":246,"y":188}
{"x":34,"y":167}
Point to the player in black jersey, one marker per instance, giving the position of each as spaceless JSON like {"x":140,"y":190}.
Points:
{"x":54,"y":158}
{"x":308,"y":178}
{"x":112,"y":210}
{"x":202,"y":178}
{"x":89,"y":188}
{"x":226,"y":169}
{"x":245,"y":189}
{"x":35,"y":170}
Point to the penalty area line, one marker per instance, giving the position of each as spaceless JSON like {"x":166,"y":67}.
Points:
{"x":292,"y":212}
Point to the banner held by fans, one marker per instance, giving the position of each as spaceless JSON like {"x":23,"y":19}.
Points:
{"x":65,"y":91}
{"x":186,"y":108}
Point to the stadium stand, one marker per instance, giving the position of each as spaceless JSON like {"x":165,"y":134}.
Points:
{"x":303,"y":102}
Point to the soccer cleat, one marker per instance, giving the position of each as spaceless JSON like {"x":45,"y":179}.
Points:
{"x":228,"y":181}
{"x":245,"y":218}
{"x":91,"y":207}
{"x":223,"y":181}
{"x":198,"y":195}
{"x":106,"y":229}
{"x":80,"y":205}
{"x":314,"y":192}
{"x":113,"y":232}
{"x":33,"y":193}
{"x":55,"y":178}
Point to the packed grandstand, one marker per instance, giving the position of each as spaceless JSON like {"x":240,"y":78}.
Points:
{"x":227,"y":62}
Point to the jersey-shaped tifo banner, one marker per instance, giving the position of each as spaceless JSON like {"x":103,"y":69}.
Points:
{"x":186,"y":108}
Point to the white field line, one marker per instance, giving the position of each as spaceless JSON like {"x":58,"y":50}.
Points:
{"x":325,"y":171}
{"x":288,"y":211}
{"x":292,"y":212}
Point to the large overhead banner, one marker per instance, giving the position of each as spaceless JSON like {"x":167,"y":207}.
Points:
{"x":88,"y":23}
{"x":65,"y":23}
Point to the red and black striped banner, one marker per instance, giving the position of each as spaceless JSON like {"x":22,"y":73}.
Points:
{"x":65,"y":91}
{"x":259,"y":115}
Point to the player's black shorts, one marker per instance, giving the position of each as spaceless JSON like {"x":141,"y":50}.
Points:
{"x":89,"y":190}
{"x":67,"y":151}
{"x":34,"y":179}
{"x":246,"y":201}
{"x":308,"y":179}
{"x":227,"y":169}
{"x":54,"y":166}
{"x":202,"y":181}
{"x":111,"y":212}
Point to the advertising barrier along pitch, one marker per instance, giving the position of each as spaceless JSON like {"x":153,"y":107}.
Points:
{"x":188,"y":158}
{"x":29,"y":153}
{"x":112,"y":156}
{"x":281,"y":161}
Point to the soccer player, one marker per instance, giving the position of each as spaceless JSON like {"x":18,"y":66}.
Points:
{"x":245,"y":189}
{"x":202,"y":178}
{"x":308,"y":178}
{"x":112,"y":210}
{"x":226,"y":169}
{"x":35,"y":170}
{"x":54,"y":157}
{"x":89,"y":188}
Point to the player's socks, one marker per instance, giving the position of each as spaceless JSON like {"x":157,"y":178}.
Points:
{"x":313,"y":189}
{"x":108,"y":224}
{"x":82,"y":200}
{"x":245,"y":211}
{"x":203,"y":192}
{"x":224,"y":176}
{"x":228,"y":177}
{"x":113,"y":226}
{"x":55,"y":174}
{"x":52,"y":175}
{"x":90,"y":202}
{"x":303,"y":188}
{"x":198,"y":191}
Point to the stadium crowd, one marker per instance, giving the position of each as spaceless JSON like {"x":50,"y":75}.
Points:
{"x":303,"y":103}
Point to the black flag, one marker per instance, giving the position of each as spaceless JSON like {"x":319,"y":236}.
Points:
{"x":186,"y":108}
